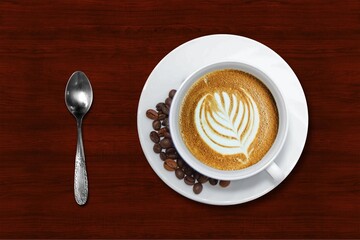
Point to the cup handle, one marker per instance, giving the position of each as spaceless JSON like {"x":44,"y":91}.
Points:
{"x":275,"y":172}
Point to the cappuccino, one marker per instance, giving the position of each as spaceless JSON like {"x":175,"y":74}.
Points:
{"x":228,"y":119}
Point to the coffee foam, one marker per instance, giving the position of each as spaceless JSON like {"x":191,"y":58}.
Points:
{"x":228,"y":119}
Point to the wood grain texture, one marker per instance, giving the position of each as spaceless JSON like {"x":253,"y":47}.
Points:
{"x":117,"y":44}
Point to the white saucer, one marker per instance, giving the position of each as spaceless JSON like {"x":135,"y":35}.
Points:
{"x":192,"y":55}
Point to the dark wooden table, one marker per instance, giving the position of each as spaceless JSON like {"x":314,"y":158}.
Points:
{"x":117,"y":44}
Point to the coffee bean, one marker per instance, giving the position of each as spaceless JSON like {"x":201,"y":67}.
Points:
{"x":166,"y":143}
{"x":161,"y":116}
{"x":162,"y":132}
{"x":172,"y":93}
{"x":152,"y":114}
{"x":154,"y":137}
{"x":224,"y":183}
{"x":197,"y":188}
{"x":172,"y":156}
{"x":203,"y":179}
{"x":163,"y":156}
{"x":170,"y":165}
{"x":165,"y":109}
{"x":185,"y":165}
{"x":179,"y":173}
{"x":167,"y":135}
{"x":196,"y":175}
{"x":168,"y":102}
{"x":189,"y":180}
{"x":213,"y":181}
{"x":170,"y":150}
{"x":156,"y":125}
{"x":165,"y":123}
{"x":188,"y":171}
{"x":180,"y":163}
{"x":157,"y":148}
{"x":159,"y":106}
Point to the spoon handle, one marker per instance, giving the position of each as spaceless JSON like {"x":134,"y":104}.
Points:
{"x":80,"y":180}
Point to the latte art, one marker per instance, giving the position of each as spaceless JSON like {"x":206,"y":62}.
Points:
{"x":228,"y":121}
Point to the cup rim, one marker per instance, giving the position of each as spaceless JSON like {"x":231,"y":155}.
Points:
{"x":204,"y":169}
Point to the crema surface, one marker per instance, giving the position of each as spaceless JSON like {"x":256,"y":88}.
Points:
{"x":228,"y":119}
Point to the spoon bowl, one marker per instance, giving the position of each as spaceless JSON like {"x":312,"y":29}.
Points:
{"x":78,"y":94}
{"x":78,"y":99}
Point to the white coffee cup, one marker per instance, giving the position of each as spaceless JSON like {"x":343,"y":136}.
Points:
{"x":267,"y":162}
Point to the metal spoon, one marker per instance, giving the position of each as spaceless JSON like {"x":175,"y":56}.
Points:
{"x":78,"y":99}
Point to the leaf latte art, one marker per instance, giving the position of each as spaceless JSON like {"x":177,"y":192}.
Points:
{"x":228,"y":122}
{"x":228,"y":119}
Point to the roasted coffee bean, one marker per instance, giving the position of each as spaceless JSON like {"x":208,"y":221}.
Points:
{"x":197,"y":188}
{"x":213,"y":181}
{"x":166,"y":143}
{"x":165,"y":109}
{"x":172,"y":156}
{"x":180,"y":163}
{"x":161,"y":116}
{"x":154,"y":137}
{"x":170,"y":165}
{"x":196,"y":175}
{"x":167,"y":135}
{"x":224,"y":183}
{"x":188,"y":171}
{"x":157,"y":148}
{"x":203,"y":179}
{"x":168,"y":102}
{"x":152,"y":114}
{"x":165,"y":123}
{"x":172,"y":93}
{"x":163,"y":156}
{"x":189,"y":180}
{"x":159,"y":106}
{"x":156,"y":125}
{"x":179,"y":173}
{"x":170,"y":150}
{"x":185,"y":165}
{"x":162,"y":132}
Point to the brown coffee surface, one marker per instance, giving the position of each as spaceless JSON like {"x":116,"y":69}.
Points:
{"x":229,"y":91}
